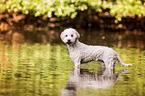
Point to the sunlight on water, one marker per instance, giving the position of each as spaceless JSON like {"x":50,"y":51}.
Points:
{"x":46,"y":70}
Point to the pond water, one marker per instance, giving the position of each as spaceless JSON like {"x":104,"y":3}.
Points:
{"x":46,"y":69}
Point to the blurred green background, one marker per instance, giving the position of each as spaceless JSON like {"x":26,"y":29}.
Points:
{"x":62,"y":8}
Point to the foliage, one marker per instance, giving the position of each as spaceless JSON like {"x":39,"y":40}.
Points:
{"x":62,"y":8}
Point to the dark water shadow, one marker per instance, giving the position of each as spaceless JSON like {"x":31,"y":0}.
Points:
{"x":82,"y":78}
{"x":123,"y":39}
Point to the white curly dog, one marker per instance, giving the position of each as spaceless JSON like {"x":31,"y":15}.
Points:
{"x":82,"y":53}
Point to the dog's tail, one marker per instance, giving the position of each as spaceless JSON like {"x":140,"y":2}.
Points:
{"x":122,"y":63}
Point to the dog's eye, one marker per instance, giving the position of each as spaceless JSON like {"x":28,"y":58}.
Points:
{"x":72,"y":35}
{"x":65,"y":35}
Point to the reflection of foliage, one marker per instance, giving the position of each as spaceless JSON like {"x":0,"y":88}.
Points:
{"x":62,"y":8}
{"x":40,"y":64}
{"x":44,"y":70}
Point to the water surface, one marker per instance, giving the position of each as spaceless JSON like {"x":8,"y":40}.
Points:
{"x":46,"y":70}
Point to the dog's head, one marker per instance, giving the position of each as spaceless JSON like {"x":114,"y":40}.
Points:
{"x":69,"y":36}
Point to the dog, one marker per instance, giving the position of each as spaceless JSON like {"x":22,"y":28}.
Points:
{"x":82,"y":53}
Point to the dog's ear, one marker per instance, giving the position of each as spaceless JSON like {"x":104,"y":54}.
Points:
{"x":61,"y":35}
{"x":78,"y":35}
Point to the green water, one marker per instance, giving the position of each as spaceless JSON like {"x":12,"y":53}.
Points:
{"x":44,"y":70}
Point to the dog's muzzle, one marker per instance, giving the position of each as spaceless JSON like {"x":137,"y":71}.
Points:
{"x":68,"y":42}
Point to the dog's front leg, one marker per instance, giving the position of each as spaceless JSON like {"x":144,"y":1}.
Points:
{"x":76,"y":58}
{"x":77,"y":65}
{"x":77,"y":62}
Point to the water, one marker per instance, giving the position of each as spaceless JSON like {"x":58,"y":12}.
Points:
{"x":46,"y":69}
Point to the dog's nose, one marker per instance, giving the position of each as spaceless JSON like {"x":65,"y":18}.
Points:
{"x":68,"y":40}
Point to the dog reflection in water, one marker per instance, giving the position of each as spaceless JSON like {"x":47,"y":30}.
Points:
{"x":81,"y":78}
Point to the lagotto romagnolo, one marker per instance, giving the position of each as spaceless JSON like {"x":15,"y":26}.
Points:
{"x":82,"y":53}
